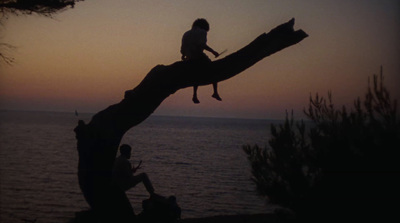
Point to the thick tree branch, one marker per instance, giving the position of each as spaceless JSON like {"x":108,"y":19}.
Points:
{"x":98,"y":141}
{"x":163,"y":81}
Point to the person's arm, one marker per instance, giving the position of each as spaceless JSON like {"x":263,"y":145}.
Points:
{"x":209,"y":49}
{"x":134,"y":169}
{"x":203,"y":43}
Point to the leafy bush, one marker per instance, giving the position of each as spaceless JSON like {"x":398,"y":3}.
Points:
{"x":340,"y":164}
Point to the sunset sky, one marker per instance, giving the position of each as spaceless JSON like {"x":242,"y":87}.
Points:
{"x":85,"y":58}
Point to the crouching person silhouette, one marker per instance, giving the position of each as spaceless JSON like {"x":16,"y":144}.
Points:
{"x":194,"y":42}
{"x":123,"y":173}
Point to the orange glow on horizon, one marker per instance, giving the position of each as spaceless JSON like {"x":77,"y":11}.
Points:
{"x":88,"y":56}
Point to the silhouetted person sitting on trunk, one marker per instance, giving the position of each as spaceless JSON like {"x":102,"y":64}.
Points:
{"x":194,"y":42}
{"x":123,"y":173}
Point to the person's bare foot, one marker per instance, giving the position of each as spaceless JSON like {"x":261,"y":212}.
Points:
{"x":216,"y":96}
{"x":195,"y":100}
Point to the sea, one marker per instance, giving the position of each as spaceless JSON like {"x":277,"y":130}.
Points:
{"x":198,"y":160}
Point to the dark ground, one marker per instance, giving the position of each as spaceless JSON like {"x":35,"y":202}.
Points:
{"x":254,"y":218}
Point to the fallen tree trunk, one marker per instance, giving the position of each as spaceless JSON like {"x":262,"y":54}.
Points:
{"x":98,"y":140}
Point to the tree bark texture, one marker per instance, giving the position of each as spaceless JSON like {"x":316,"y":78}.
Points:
{"x":98,"y":140}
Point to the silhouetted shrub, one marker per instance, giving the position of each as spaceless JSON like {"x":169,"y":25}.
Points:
{"x":341,"y":164}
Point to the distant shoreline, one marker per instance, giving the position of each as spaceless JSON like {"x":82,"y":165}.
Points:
{"x":86,"y":114}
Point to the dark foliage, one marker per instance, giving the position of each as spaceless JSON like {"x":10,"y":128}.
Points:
{"x":346,"y":166}
{"x":27,"y":7}
{"x":4,"y":47}
{"x":41,"y":7}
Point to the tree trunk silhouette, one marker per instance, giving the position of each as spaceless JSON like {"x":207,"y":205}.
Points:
{"x":98,"y":141}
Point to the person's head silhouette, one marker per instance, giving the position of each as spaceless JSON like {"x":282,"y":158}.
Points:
{"x":125,"y":150}
{"x":202,"y":24}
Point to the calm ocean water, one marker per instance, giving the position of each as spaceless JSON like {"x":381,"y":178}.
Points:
{"x":199,"y":160}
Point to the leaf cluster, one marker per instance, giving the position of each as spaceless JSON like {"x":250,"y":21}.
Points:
{"x":41,"y":7}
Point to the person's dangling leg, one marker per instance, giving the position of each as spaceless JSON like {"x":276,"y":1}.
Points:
{"x":215,"y":94}
{"x":147,"y":183}
{"x":195,"y":99}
